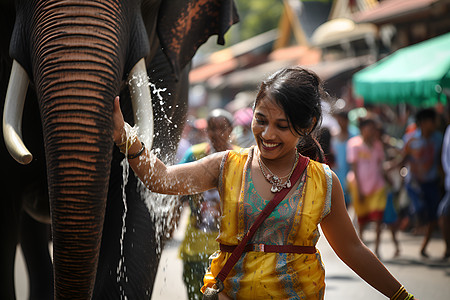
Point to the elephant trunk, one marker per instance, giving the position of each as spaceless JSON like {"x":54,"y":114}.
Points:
{"x":77,"y":72}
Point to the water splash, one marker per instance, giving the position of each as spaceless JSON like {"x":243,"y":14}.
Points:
{"x":163,"y":209}
{"x":158,"y":93}
{"x":121,"y":268}
{"x":131,"y":133}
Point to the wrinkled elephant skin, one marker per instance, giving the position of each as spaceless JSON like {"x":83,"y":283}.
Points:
{"x":77,"y":55}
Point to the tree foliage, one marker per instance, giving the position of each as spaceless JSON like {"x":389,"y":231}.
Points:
{"x":257,"y":16}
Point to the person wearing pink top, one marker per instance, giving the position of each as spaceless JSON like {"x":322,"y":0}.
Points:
{"x":366,"y":181}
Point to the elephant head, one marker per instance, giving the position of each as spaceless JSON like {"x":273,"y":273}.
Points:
{"x":77,"y":56}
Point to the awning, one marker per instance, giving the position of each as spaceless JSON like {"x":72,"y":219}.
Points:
{"x":417,"y":75}
{"x":251,"y":78}
{"x":391,"y":11}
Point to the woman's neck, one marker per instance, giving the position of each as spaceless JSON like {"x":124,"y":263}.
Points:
{"x":280,"y":166}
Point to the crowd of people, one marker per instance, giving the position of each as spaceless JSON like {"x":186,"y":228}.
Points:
{"x":374,"y":168}
{"x":230,"y":166}
{"x":398,"y":180}
{"x":377,"y":168}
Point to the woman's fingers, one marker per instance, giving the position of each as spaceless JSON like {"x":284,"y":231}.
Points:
{"x":118,"y":122}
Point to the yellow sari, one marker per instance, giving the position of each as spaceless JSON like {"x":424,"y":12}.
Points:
{"x":263,"y":275}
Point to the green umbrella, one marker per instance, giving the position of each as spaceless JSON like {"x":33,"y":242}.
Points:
{"x":417,"y":75}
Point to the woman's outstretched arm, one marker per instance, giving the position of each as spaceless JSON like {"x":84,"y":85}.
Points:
{"x":341,"y":235}
{"x":180,"y":179}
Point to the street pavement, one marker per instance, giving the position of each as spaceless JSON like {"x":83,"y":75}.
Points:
{"x":427,"y":279}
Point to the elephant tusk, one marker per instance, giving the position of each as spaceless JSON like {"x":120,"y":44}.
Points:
{"x":12,"y":114}
{"x":142,"y":102}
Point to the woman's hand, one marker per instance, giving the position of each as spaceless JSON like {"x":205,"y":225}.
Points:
{"x":119,"y":134}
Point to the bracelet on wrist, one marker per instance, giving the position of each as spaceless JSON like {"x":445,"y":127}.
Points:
{"x":398,"y":293}
{"x":402,"y":294}
{"x":125,"y":146}
{"x":130,"y":138}
{"x":132,"y":156}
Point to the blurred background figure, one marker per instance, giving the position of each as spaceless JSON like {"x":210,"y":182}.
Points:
{"x":422,"y":152}
{"x":199,"y":134}
{"x":202,"y":229}
{"x":394,"y":185}
{"x":444,"y":206}
{"x":185,"y":140}
{"x":367,"y":184}
{"x":242,"y":132}
{"x":339,"y":148}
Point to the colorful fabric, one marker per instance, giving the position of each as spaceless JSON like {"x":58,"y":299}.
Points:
{"x":196,"y":152}
{"x":369,"y":161}
{"x":373,"y":206}
{"x":390,"y":215}
{"x":262,"y":275}
{"x":202,"y":229}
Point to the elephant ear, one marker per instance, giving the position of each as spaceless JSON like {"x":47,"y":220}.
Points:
{"x":184,"y":25}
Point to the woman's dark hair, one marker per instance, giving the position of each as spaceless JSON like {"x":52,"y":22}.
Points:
{"x":299,"y":93}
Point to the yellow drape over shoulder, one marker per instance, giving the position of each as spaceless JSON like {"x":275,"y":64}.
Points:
{"x":260,"y":275}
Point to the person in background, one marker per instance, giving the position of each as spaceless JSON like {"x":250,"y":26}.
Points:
{"x":367,"y":184}
{"x":281,"y":261}
{"x":202,"y":229}
{"x":184,"y":143}
{"x":339,"y":148}
{"x":393,"y":186}
{"x":243,"y":136}
{"x":444,"y":206}
{"x":421,"y":153}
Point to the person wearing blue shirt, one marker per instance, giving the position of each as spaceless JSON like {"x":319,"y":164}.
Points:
{"x":422,"y":152}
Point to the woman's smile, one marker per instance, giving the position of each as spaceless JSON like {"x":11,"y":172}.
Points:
{"x":272,"y":131}
{"x":269,"y":146}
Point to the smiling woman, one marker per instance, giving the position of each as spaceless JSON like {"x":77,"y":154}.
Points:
{"x":280,"y":260}
{"x":287,"y":114}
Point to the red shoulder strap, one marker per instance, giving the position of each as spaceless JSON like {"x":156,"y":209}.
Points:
{"x":237,"y":252}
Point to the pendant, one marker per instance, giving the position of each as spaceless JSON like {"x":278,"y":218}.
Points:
{"x":288,"y":183}
{"x":274,"y":189}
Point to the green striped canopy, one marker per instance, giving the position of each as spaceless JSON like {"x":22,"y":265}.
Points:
{"x":417,"y":75}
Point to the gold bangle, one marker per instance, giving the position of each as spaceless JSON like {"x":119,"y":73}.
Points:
{"x":398,"y":293}
{"x":131,"y":136}
{"x":125,"y":146}
{"x":409,"y":297}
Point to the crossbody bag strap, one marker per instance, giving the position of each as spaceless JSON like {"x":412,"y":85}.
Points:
{"x":237,"y":252}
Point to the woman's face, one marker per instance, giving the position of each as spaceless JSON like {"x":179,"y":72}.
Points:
{"x":272,"y":132}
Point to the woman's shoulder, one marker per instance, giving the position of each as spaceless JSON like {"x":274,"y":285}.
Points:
{"x":316,"y":168}
{"x":238,"y":153}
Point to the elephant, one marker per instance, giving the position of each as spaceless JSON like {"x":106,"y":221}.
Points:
{"x":68,"y":60}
